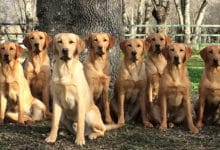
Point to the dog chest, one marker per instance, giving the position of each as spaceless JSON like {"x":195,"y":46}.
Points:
{"x":213,"y":96}
{"x":175,"y":95}
{"x":12,"y":91}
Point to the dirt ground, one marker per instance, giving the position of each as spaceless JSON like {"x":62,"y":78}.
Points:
{"x":31,"y":136}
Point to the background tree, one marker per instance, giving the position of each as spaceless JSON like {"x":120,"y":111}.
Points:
{"x":84,"y":17}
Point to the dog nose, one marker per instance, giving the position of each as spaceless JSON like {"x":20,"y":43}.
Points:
{"x":176,"y":59}
{"x":36,"y":44}
{"x":65,"y":51}
{"x":6,"y":56}
{"x":157,"y":46}
{"x":133,"y":53}
{"x":215,"y":61}
{"x":100,"y":47}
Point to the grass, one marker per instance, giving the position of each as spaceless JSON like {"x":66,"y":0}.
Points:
{"x":195,"y":67}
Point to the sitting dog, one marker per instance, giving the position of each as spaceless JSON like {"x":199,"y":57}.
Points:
{"x":37,"y":65}
{"x":130,"y":84}
{"x":16,"y":102}
{"x":174,"y":89}
{"x":72,"y":101}
{"x":97,"y":70}
{"x":209,"y":87}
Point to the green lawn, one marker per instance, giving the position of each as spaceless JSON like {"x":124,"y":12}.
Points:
{"x":195,"y":67}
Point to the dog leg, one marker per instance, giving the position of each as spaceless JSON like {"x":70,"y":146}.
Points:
{"x":142,"y":101}
{"x":163,"y":110}
{"x":188,"y":109}
{"x":200,"y":112}
{"x":45,"y":97}
{"x":108,"y":118}
{"x":3,"y":106}
{"x":39,"y":110}
{"x":121,"y":100}
{"x":57,"y":111}
{"x":20,"y":110}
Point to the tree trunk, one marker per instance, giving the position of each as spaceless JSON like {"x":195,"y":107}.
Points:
{"x":187,"y":20}
{"x":84,"y":17}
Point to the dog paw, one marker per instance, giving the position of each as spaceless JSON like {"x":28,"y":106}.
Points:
{"x":199,"y":125}
{"x":194,"y":130}
{"x":148,"y":124}
{"x":1,"y":121}
{"x":163,"y":128}
{"x":51,"y":139}
{"x":80,"y":141}
{"x":92,"y":136}
{"x":171,"y":125}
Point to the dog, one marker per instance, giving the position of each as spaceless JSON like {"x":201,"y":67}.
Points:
{"x":209,"y":86}
{"x":130,"y":84}
{"x":16,"y":101}
{"x":174,"y":88}
{"x":72,"y":101}
{"x":155,"y":64}
{"x":97,"y":70}
{"x":37,"y":68}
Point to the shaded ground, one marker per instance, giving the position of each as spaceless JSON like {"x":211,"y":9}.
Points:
{"x":32,"y":136}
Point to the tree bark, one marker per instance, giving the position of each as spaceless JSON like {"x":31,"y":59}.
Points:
{"x":84,"y":17}
{"x":187,"y":20}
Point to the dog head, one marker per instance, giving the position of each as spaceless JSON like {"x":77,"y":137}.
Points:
{"x":211,"y":55}
{"x":134,"y":49}
{"x":9,"y":51}
{"x":67,"y":45}
{"x":177,"y":53}
{"x":100,"y":43}
{"x":157,"y":42}
{"x":37,"y":41}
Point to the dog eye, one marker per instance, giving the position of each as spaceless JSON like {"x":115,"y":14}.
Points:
{"x":11,"y":48}
{"x":2,"y":48}
{"x":129,"y":45}
{"x":171,"y":49}
{"x":105,"y":40}
{"x":59,"y":41}
{"x":153,"y":39}
{"x":181,"y":50}
{"x":41,"y":37}
{"x":95,"y":40}
{"x":161,"y":39}
{"x":32,"y":38}
{"x":210,"y":52}
{"x":71,"y":42}
{"x":138,"y":45}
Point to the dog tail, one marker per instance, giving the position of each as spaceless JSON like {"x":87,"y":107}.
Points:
{"x":113,"y":126}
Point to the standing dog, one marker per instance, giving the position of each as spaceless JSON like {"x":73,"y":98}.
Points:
{"x":97,"y":70}
{"x":72,"y":102}
{"x":209,"y":87}
{"x":174,"y":89}
{"x":130,"y":84}
{"x":37,"y":65}
{"x":16,"y":101}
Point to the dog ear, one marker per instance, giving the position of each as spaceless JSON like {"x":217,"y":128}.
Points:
{"x":80,"y":46}
{"x":88,"y":41}
{"x":47,"y":40}
{"x":19,"y":51}
{"x":165,"y":52}
{"x":203,"y":54}
{"x":111,"y":41}
{"x":168,"y":40}
{"x":189,"y":51}
{"x":146,"y":45}
{"x":123,"y":46}
{"x":26,"y":42}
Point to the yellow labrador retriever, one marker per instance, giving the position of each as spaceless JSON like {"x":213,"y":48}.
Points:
{"x":209,"y":87}
{"x":37,"y":65}
{"x":130,"y":84}
{"x":97,"y":70}
{"x":72,"y":102}
{"x":16,"y":101}
{"x":174,"y":89}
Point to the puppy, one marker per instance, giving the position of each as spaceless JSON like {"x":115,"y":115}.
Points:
{"x":97,"y":70}
{"x":16,"y":101}
{"x":72,"y":102}
{"x":174,"y":89}
{"x":209,"y":87}
{"x":37,"y":65}
{"x":130,"y":84}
